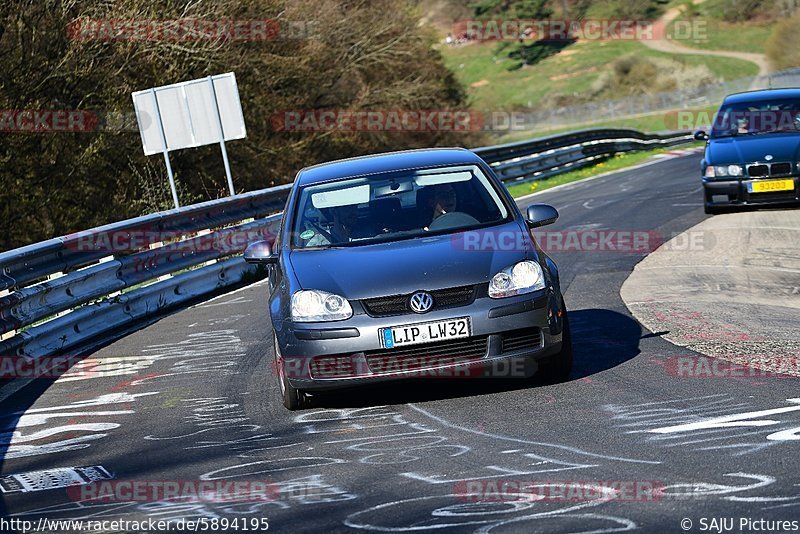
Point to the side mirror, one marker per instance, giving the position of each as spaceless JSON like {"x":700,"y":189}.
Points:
{"x":700,"y":135}
{"x":541,"y":215}
{"x":260,"y":252}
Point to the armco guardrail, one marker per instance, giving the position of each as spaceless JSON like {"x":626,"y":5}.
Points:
{"x":547,"y":156}
{"x":66,"y":291}
{"x":100,"y":276}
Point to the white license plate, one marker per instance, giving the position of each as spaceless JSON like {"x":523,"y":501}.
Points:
{"x":414,"y":334}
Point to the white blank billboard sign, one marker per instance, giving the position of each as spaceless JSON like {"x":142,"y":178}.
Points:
{"x":189,"y":114}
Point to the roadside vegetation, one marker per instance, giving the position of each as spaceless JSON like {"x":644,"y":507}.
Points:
{"x":744,"y":26}
{"x":350,"y":55}
{"x":783,"y":46}
{"x":583,"y":72}
{"x":505,"y":75}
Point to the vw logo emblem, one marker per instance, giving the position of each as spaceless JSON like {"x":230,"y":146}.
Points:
{"x":768,"y":157}
{"x":420,"y":302}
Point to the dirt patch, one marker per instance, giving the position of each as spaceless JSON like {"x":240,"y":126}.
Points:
{"x":572,"y":74}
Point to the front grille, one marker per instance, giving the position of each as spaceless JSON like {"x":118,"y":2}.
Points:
{"x":427,"y":355}
{"x":398,"y":304}
{"x":332,"y":366}
{"x":526,"y":338}
{"x":760,"y":170}
{"x":386,"y":305}
{"x":779,"y":169}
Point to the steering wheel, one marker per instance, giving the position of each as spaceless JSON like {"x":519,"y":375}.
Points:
{"x":454,"y":219}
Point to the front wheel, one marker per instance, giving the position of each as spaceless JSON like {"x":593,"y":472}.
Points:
{"x":293,"y":398}
{"x":558,"y":367}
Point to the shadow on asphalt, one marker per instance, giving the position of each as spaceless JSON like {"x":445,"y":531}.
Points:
{"x":15,"y":406}
{"x":601,"y":340}
{"x":11,"y":411}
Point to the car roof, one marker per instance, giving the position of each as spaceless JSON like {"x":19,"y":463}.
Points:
{"x":387,"y":162}
{"x":761,"y":95}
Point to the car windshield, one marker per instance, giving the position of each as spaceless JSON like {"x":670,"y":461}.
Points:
{"x":754,"y":118}
{"x":397,"y":205}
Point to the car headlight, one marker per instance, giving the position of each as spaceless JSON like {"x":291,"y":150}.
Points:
{"x":735,"y":170}
{"x":720,"y":171}
{"x":523,"y":277}
{"x":311,"y":305}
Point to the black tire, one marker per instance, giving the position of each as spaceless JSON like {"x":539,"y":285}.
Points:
{"x":709,"y":210}
{"x":293,"y":398}
{"x":558,"y":367}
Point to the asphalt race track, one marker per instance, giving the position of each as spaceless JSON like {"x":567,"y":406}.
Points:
{"x":193,"y":397}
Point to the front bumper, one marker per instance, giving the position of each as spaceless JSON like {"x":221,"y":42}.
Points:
{"x":721,"y":193}
{"x":508,"y":336}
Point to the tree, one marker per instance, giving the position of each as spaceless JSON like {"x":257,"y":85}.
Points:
{"x":342,"y":54}
{"x":521,"y":9}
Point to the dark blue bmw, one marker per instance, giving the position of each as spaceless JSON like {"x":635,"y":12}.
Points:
{"x":409,"y":264}
{"x":752,"y":151}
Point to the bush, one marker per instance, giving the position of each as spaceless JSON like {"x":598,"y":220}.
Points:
{"x":737,"y":10}
{"x":520,"y":9}
{"x":783,"y":46}
{"x":633,"y":75}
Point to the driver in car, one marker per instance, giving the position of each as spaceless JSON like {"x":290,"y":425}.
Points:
{"x":344,"y":221}
{"x":444,"y":200}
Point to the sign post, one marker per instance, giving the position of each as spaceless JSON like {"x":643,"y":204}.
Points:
{"x":221,"y":136}
{"x":188,"y":115}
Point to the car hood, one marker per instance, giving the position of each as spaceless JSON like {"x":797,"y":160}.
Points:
{"x":405,"y":266}
{"x":747,"y":149}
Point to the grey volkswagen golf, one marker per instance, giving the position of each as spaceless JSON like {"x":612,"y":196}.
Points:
{"x":409,"y":264}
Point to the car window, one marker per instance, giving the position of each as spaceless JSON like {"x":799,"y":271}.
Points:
{"x":752,"y":118}
{"x":398,"y":205}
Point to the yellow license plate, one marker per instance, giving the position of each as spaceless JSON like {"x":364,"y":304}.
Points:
{"x":769,"y":186}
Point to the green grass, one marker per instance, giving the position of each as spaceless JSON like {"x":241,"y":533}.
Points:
{"x":614,"y":163}
{"x":735,"y":37}
{"x":484,"y":69}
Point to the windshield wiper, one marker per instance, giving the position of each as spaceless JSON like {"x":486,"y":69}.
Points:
{"x":762,"y":132}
